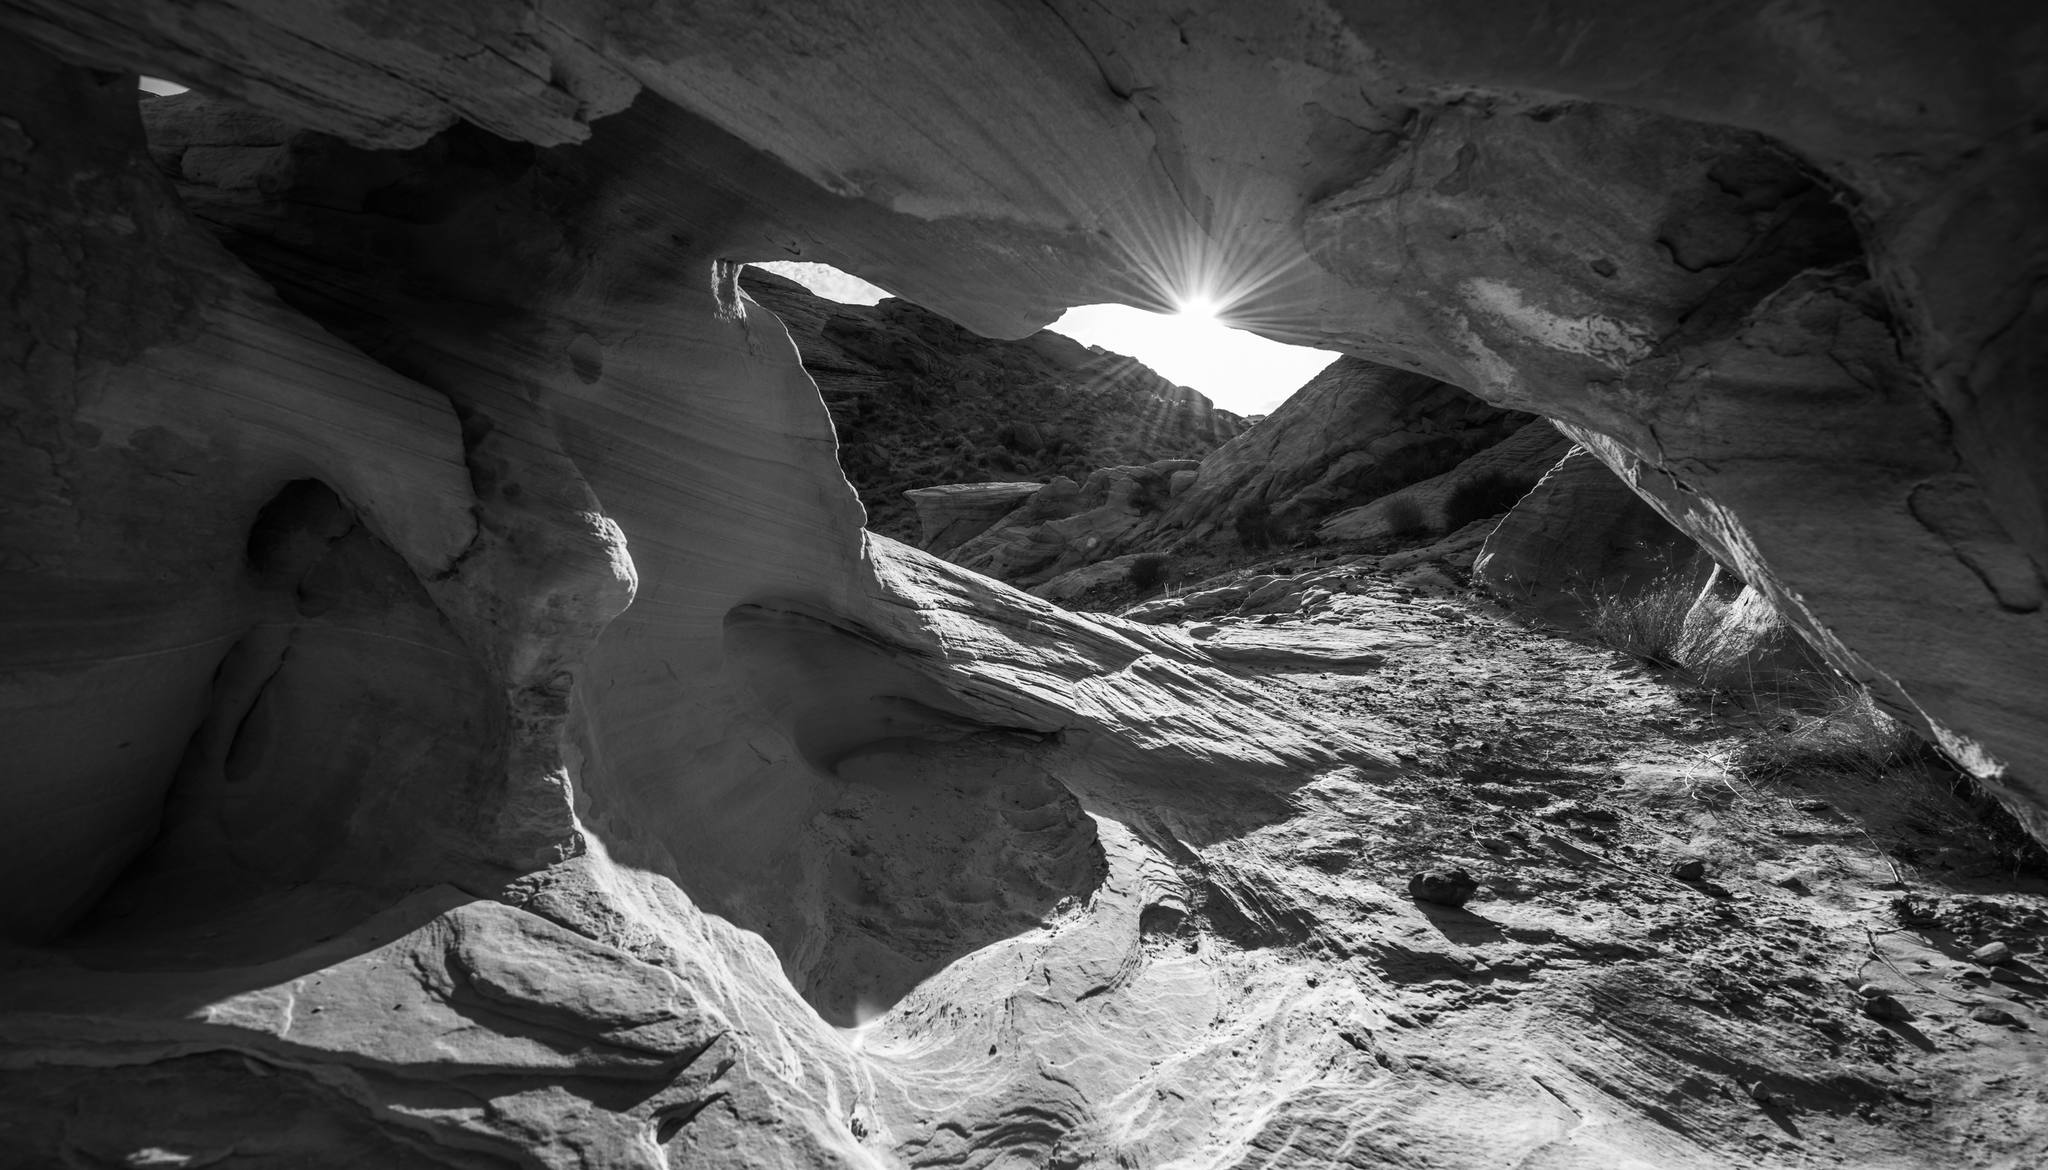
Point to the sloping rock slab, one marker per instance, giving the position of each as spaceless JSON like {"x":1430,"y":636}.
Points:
{"x":1272,"y":646}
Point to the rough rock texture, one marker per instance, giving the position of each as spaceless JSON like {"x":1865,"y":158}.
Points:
{"x":917,"y":400}
{"x":1355,"y":432}
{"x":1474,"y":489}
{"x":1066,"y":526}
{"x":1581,"y":532}
{"x":950,"y":515}
{"x":415,"y":823}
{"x":423,"y":610}
{"x":1771,"y":255}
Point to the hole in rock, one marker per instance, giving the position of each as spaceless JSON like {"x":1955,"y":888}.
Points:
{"x":1198,"y":345}
{"x":921,"y":831}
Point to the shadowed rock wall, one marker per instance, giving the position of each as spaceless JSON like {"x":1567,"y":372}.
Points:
{"x":1781,"y":271}
{"x":1770,"y":257}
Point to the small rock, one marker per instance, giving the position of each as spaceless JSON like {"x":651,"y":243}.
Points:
{"x":1687,"y":869}
{"x":1794,"y":884}
{"x":1986,"y":1014}
{"x":1913,"y":910}
{"x":1760,"y":1093}
{"x":1444,"y":887}
{"x":1991,"y":954}
{"x":1881,"y":1005}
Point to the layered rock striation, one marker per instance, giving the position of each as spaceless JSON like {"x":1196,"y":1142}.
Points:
{"x":448,"y":690}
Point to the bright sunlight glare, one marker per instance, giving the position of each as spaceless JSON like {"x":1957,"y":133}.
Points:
{"x":1238,"y":371}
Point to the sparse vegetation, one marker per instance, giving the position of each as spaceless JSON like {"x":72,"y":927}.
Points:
{"x":1480,"y":496}
{"x":1149,"y":571}
{"x":1649,"y":623}
{"x":1817,"y":728}
{"x":1254,"y":525}
{"x":1405,"y":518}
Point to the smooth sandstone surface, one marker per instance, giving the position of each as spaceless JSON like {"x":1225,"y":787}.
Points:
{"x":447,"y":687}
{"x":1741,"y":246}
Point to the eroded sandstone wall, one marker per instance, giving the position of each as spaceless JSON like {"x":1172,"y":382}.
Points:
{"x":437,"y":749}
{"x":1788,"y":261}
{"x":431,"y":591}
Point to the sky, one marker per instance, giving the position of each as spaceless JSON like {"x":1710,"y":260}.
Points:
{"x":1239,"y":371}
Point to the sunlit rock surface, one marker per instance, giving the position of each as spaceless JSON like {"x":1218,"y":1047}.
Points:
{"x":949,"y":515}
{"x":449,"y":697}
{"x":1355,"y":432}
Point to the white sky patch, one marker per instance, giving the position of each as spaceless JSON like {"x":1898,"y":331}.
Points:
{"x":827,"y":281}
{"x":1604,"y":339}
{"x":1240,"y":372}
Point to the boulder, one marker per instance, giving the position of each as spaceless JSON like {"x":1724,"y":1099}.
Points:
{"x":951,"y":514}
{"x":1580,"y":533}
{"x":1058,"y":531}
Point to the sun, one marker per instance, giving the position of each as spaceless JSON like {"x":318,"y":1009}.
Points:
{"x":1199,"y":310}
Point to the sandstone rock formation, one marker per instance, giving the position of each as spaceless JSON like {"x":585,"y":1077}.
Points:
{"x":1483,"y":486}
{"x":1787,"y":240}
{"x":1581,"y":532}
{"x":950,"y":515}
{"x":1064,"y":526}
{"x":449,"y":694}
{"x":1355,"y":432}
{"x":918,"y":401}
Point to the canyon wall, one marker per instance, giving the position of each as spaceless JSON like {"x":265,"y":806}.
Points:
{"x":1787,"y":261}
{"x":429,"y":584}
{"x":916,"y":401}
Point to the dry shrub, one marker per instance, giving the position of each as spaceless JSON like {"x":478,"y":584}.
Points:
{"x":1649,"y":623}
{"x":1404,"y":517}
{"x":1149,"y":571}
{"x":1821,"y":729}
{"x":1844,"y":732}
{"x":1916,"y":804}
{"x":1254,"y":524}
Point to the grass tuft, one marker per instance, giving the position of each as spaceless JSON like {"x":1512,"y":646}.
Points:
{"x":1821,"y":731}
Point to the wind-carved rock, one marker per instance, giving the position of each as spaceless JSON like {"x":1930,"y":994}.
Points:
{"x":1780,"y":280}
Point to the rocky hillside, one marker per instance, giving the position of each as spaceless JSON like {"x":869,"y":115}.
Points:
{"x":918,"y":401}
{"x":1309,"y":474}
